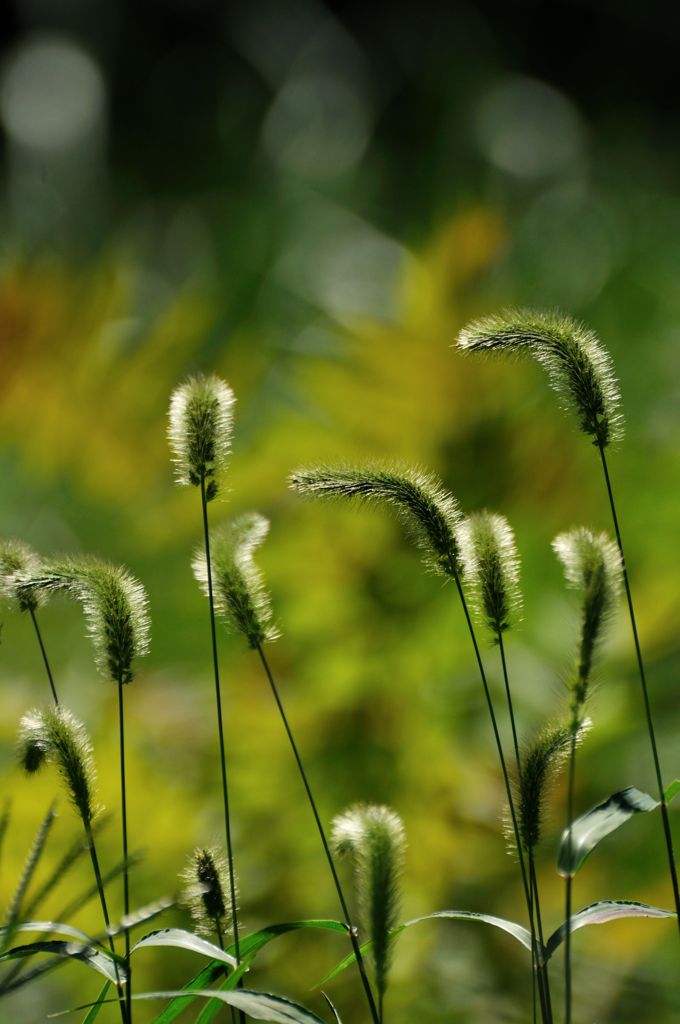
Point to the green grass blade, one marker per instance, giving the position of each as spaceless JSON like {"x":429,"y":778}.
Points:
{"x":600,"y":913}
{"x":103,"y":963}
{"x":202,"y":980}
{"x":181,"y":939}
{"x":672,"y":790}
{"x":69,"y":860}
{"x":332,"y":1009}
{"x":93,"y":1012}
{"x":30,"y":865}
{"x":4,"y":823}
{"x":255,"y":942}
{"x":55,"y":928}
{"x":593,"y":826}
{"x":258,"y":1005}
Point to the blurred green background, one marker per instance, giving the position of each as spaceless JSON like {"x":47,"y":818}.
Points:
{"x":310,"y":201}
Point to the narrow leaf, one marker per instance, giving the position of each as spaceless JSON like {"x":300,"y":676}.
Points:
{"x":258,"y":1005}
{"x":54,"y":928}
{"x":332,"y":1008}
{"x":93,"y":1013}
{"x":601,"y":913}
{"x":177,"y":1005}
{"x":592,"y":827}
{"x":27,"y":874}
{"x":184,"y":940}
{"x":101,"y":962}
{"x":672,"y":791}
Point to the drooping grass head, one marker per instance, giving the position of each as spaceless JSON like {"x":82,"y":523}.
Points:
{"x":115,"y":607}
{"x":18,"y":560}
{"x":492,"y":568}
{"x":241,"y":599}
{"x":579,"y":369}
{"x":207,"y":892}
{"x":374,"y":837}
{"x":592,"y":564}
{"x":55,"y":736}
{"x":430,"y":513}
{"x":541,"y":763}
{"x":200,"y":429}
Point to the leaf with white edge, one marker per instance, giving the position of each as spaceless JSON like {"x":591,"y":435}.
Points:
{"x":592,"y":827}
{"x":101,"y":962}
{"x":184,"y":940}
{"x":258,"y":1005}
{"x":55,"y":928}
{"x":672,"y":790}
{"x":516,"y":930}
{"x":142,"y":915}
{"x":332,"y":1008}
{"x":211,"y":1009}
{"x":601,"y":913}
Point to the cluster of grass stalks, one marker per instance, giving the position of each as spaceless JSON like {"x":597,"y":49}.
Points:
{"x":477,"y":555}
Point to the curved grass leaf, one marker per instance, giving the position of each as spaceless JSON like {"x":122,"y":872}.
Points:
{"x":184,"y":940}
{"x":672,"y":790}
{"x":600,"y":913}
{"x":258,"y":1005}
{"x":335,"y":1013}
{"x":30,"y":865}
{"x":98,"y":961}
{"x":142,"y":915}
{"x":516,"y":930}
{"x":202,"y":980}
{"x":211,"y":1009}
{"x":93,"y":1013}
{"x":592,"y":827}
{"x":55,"y":928}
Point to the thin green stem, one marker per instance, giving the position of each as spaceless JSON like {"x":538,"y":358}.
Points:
{"x":44,"y":657}
{"x":499,"y":746}
{"x":380,"y":1007}
{"x":569,"y":879}
{"x":376,"y":1014}
{"x":105,"y":913}
{"x":544,"y":978}
{"x":220,"y":943}
{"x":126,"y":873}
{"x":220,"y":730}
{"x":645,"y":694}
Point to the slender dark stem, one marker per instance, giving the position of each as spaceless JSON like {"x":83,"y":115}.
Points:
{"x":126,"y":873}
{"x":220,"y":943}
{"x":105,"y":913}
{"x":44,"y":656}
{"x":375,"y":1013}
{"x":515,"y":740}
{"x":645,"y":694}
{"x":544,"y":979}
{"x":569,"y":879}
{"x":220,"y":730}
{"x":380,"y":1007}
{"x":499,"y":746}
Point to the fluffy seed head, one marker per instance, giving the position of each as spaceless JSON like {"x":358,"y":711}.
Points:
{"x":374,"y":837}
{"x":541,"y":763}
{"x":492,"y":568}
{"x":200,"y":429}
{"x":241,"y":599}
{"x":115,"y":607}
{"x":55,"y":736}
{"x":592,"y":563}
{"x":207,"y":892}
{"x":18,"y":561}
{"x":579,"y":369}
{"x":431,"y":514}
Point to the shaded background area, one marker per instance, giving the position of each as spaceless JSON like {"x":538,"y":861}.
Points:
{"x":311,"y":201}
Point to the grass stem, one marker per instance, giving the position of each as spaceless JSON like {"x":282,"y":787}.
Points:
{"x":569,"y":879}
{"x":105,"y":913}
{"x":375,"y":1013}
{"x":220,"y":730}
{"x":645,"y":693}
{"x":44,"y":656}
{"x":126,"y":872}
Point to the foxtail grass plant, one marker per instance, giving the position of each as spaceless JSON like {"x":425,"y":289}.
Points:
{"x":244,"y":607}
{"x":433,"y":518}
{"x":207,"y":893}
{"x":56,"y":737}
{"x":115,"y":607}
{"x":18,"y":560}
{"x":200,"y":429}
{"x":581,"y":372}
{"x":374,"y":837}
{"x":592,"y":565}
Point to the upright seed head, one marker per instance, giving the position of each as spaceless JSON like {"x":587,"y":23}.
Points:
{"x":430,"y":513}
{"x":541,"y":763}
{"x":592,"y":563}
{"x":57,"y":737}
{"x":115,"y":607}
{"x":207,"y":892}
{"x":241,"y":599}
{"x":491,"y":563}
{"x":17,"y":561}
{"x":374,"y":837}
{"x":579,"y":369}
{"x":200,"y":429}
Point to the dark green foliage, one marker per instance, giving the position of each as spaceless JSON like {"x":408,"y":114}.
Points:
{"x":238,"y":588}
{"x":580,"y":370}
{"x":431,"y":514}
{"x":201,"y":422}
